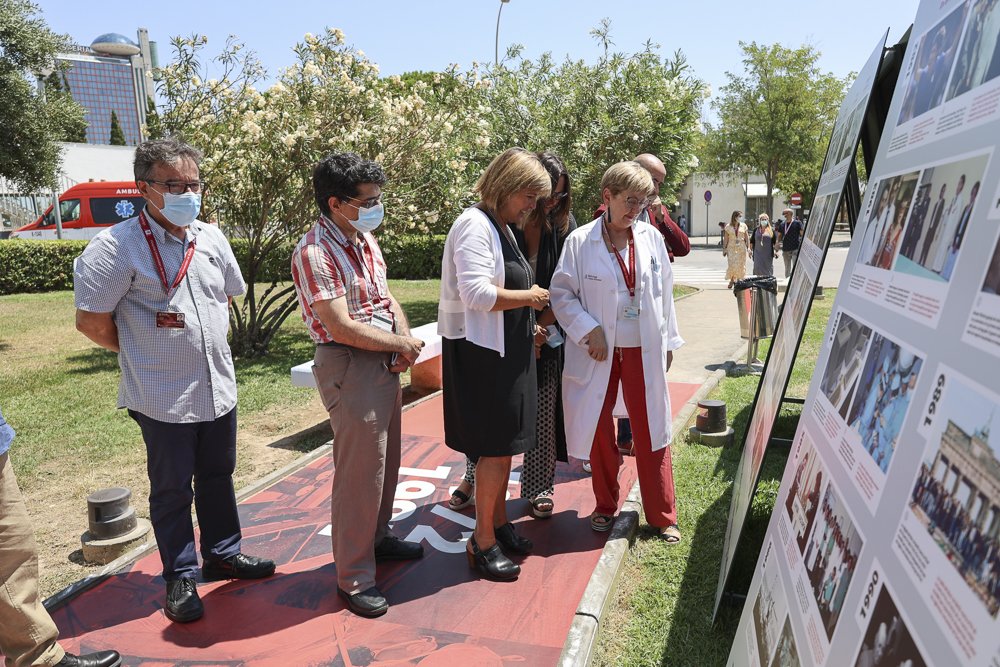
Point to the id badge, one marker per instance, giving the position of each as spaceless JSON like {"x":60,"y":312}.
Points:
{"x":382,"y":321}
{"x":630,"y":312}
{"x":169,"y":320}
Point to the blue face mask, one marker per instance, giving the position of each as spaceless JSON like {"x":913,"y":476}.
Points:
{"x":180,"y":210}
{"x":368,"y":218}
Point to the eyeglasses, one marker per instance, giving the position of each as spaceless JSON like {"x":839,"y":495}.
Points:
{"x":180,"y":187}
{"x":632,"y":202}
{"x":368,"y":203}
{"x":558,"y":196}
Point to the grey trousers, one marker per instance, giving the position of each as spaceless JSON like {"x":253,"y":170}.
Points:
{"x":27,"y":633}
{"x":365,"y":403}
{"x":789,"y":257}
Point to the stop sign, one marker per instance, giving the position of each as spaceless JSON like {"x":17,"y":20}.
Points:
{"x":795,"y":199}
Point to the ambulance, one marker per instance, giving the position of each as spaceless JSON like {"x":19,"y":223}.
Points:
{"x":86,"y":209}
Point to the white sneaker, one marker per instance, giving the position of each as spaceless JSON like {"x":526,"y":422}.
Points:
{"x":586,"y":467}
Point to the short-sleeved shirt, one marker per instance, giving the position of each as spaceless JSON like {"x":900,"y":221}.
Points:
{"x":171,"y":375}
{"x":6,"y":435}
{"x":791,"y":234}
{"x":326,"y":265}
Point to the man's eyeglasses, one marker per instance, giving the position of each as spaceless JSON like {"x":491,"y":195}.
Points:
{"x":632,"y":202}
{"x":179,"y":187}
{"x":368,"y":203}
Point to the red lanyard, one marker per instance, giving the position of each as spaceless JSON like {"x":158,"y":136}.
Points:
{"x":181,"y":272}
{"x":627,"y":272}
{"x":361,"y":263}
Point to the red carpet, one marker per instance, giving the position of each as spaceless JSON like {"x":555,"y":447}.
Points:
{"x":441,"y":613}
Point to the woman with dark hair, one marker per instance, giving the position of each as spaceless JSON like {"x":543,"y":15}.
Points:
{"x":486,"y":318}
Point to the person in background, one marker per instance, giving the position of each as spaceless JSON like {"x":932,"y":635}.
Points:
{"x":363,"y":343}
{"x":613,"y":293}
{"x":27,"y":633}
{"x":789,"y":239}
{"x":486,"y":318}
{"x":156,"y":290}
{"x":762,"y":247}
{"x":736,"y":248}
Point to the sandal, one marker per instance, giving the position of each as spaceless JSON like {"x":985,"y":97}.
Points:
{"x":671,"y":534}
{"x":541,"y":507}
{"x":601,"y":522}
{"x":627,"y":448}
{"x":586,"y":467}
{"x":460,"y":499}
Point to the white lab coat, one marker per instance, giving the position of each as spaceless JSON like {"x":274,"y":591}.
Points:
{"x":584,"y":294}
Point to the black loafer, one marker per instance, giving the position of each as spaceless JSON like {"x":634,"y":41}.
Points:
{"x":393,"y":548}
{"x":239,"y":566}
{"x":368,"y":603}
{"x":99,"y":659}
{"x":183,"y":603}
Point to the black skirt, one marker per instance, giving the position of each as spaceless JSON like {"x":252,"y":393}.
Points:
{"x":491,"y":402}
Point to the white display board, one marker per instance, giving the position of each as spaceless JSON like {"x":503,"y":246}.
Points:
{"x":884,"y":544}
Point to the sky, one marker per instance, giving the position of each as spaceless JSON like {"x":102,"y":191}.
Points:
{"x":430,"y":35}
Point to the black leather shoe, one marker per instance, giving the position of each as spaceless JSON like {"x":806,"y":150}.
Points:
{"x":239,"y":566}
{"x":393,"y":548}
{"x":99,"y":659}
{"x":368,"y":603}
{"x":511,"y":541}
{"x":492,"y":562}
{"x":183,"y":603}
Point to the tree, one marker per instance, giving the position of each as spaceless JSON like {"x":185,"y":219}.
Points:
{"x":30,"y":129}
{"x":57,"y":92}
{"x":117,"y":135}
{"x":775,"y":118}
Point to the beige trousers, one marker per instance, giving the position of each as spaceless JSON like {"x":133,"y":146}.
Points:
{"x":365,"y":402}
{"x":27,"y":633}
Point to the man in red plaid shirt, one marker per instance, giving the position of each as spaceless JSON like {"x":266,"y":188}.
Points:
{"x":362,"y":342}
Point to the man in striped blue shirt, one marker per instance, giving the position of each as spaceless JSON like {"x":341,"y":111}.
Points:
{"x":156,"y":290}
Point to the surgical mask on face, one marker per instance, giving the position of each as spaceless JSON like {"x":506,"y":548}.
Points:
{"x":368,"y":218}
{"x":180,"y":210}
{"x":739,"y":219}
{"x":765,"y":223}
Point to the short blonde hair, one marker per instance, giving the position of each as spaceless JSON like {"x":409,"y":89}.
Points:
{"x":629,"y":176}
{"x":764,"y":216}
{"x":510,"y":172}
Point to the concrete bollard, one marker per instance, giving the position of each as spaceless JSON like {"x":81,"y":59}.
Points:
{"x":710,"y":425}
{"x":113,"y":526}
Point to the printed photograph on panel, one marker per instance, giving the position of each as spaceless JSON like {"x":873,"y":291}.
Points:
{"x":932,"y":66}
{"x":956,"y":496}
{"x":885,"y":226}
{"x":887,"y":641}
{"x":831,"y":558}
{"x":884,"y":393}
{"x":944,"y":205}
{"x":787,"y":654}
{"x":979,"y":55}
{"x":770,"y":609}
{"x":821,"y":219}
{"x":845,"y":363}
{"x":991,"y":284}
{"x":804,"y":495}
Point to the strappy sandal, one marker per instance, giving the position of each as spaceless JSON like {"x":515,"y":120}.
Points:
{"x":671,"y":534}
{"x":541,"y":507}
{"x":601,"y":522}
{"x":464,"y":499}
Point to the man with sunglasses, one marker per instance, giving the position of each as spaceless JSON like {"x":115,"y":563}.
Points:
{"x":363,"y":343}
{"x":156,"y":290}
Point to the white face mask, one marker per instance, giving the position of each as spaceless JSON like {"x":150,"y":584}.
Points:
{"x":180,"y":210}
{"x":739,"y":219}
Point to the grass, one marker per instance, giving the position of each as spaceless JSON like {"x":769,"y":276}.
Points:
{"x":662,"y":611}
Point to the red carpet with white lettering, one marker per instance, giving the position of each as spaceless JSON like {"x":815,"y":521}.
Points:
{"x":442,"y":613}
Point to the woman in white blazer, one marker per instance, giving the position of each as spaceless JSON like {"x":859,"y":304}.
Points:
{"x":613,"y":293}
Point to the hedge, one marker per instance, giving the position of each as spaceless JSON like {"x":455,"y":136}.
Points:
{"x":45,"y":266}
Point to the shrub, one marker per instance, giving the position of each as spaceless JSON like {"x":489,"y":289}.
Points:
{"x":37,"y":266}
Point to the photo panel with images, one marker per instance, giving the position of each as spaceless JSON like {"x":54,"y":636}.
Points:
{"x":804,"y":495}
{"x":917,"y":226}
{"x":949,"y":536}
{"x":817,"y":233}
{"x":831,"y":557}
{"x":983,"y":327}
{"x":978,"y":60}
{"x":931,"y":65}
{"x":887,"y":640}
{"x":770,"y":608}
{"x":787,"y":652}
{"x":848,"y":349}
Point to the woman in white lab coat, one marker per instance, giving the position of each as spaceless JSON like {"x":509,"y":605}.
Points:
{"x":613,"y":293}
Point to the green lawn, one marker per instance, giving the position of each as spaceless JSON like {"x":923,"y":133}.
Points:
{"x":662,"y":613}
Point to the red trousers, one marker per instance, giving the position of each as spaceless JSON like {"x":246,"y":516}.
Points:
{"x":655,"y":469}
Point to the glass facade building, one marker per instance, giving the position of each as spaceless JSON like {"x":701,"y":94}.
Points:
{"x":101,"y":85}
